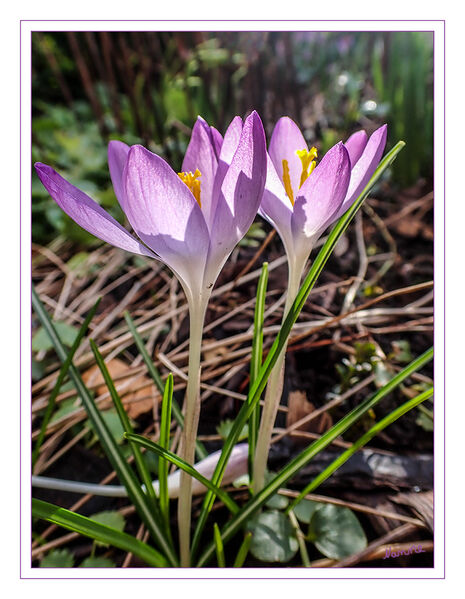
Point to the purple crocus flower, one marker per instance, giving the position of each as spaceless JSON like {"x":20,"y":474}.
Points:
{"x":192,"y":220}
{"x":300,"y":200}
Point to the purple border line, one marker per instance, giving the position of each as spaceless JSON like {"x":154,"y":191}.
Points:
{"x":438,"y":21}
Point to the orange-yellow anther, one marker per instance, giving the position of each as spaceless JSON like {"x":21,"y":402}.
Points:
{"x":287,"y":181}
{"x":192,"y":182}
{"x":308,"y":163}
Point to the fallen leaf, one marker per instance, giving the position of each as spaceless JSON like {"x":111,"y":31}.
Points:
{"x":298,"y":408}
{"x":138,"y":396}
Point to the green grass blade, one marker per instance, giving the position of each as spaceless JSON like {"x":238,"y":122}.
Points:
{"x":219,"y":547}
{"x":61,"y":377}
{"x":113,"y":452}
{"x":177,"y":461}
{"x":363,"y":440}
{"x":256,"y":360}
{"x":165,"y":426}
{"x":243,"y":551}
{"x":200,"y":450}
{"x":99,"y":532}
{"x":126,"y":424}
{"x":310,"y":452}
{"x":259,"y":385}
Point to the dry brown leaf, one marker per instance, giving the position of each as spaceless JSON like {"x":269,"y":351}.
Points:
{"x":299,"y":407}
{"x":138,"y":396}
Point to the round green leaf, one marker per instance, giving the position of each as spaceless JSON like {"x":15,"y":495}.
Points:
{"x":97,"y":562}
{"x":109,"y":518}
{"x":58,"y":558}
{"x":305,"y":509}
{"x":336,"y":531}
{"x":273,"y":537}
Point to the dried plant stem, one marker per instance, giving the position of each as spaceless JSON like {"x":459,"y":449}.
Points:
{"x":274,"y":387}
{"x":191,"y":419}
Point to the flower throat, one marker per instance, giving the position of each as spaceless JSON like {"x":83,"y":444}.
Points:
{"x":307,"y":158}
{"x":192,"y":182}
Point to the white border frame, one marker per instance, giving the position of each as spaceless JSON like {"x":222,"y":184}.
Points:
{"x":436,"y":26}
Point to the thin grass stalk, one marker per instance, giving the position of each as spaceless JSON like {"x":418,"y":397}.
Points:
{"x":363,"y":440}
{"x":61,"y":377}
{"x":113,"y":452}
{"x":165,"y":426}
{"x":274,"y":388}
{"x":185,"y":467}
{"x":97,"y":531}
{"x":126,"y":424}
{"x":153,"y":371}
{"x":256,"y":360}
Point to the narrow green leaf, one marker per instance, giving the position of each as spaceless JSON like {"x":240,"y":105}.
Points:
{"x":61,"y":377}
{"x":199,"y":448}
{"x":363,"y":440}
{"x":113,"y":452}
{"x":219,"y":547}
{"x":98,"y":532}
{"x":165,"y":427}
{"x":126,"y":424}
{"x":259,"y":385}
{"x":311,"y":451}
{"x":256,"y":360}
{"x":180,"y":463}
{"x":243,"y":551}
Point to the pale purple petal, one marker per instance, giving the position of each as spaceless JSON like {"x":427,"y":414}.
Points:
{"x":117,"y":157}
{"x":364,"y":169}
{"x":228,"y":149}
{"x":286,"y":139}
{"x":241,"y":192}
{"x":320,"y":196}
{"x":276,"y":207}
{"x":87,"y":213}
{"x":355,"y":146}
{"x":217,"y":141}
{"x":201,"y":155}
{"x":165,"y":215}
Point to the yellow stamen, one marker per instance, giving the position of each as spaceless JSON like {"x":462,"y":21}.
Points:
{"x":192,"y":182}
{"x":308,"y":163}
{"x":287,"y":181}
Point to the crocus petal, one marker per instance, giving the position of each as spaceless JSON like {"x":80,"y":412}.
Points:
{"x":165,"y":215}
{"x":217,"y":141}
{"x":365,"y":167}
{"x":228,"y":149}
{"x":87,"y":213}
{"x":117,"y":157}
{"x":236,"y":467}
{"x":276,"y":207}
{"x":355,"y":146}
{"x":201,"y":154}
{"x":320,"y":197}
{"x":240,"y":194}
{"x":286,"y":139}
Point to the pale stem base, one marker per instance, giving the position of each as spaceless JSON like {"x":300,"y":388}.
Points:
{"x":274,"y":387}
{"x":191,"y":421}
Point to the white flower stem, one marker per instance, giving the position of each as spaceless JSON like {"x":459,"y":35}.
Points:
{"x":191,"y":420}
{"x":274,"y":386}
